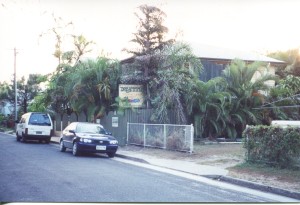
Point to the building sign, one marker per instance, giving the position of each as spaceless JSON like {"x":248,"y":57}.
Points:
{"x":134,"y":94}
{"x":115,"y":122}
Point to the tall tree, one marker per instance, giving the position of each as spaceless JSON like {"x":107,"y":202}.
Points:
{"x":292,"y":58}
{"x":177,"y":67}
{"x":284,"y":100}
{"x":150,"y":34}
{"x":4,"y":91}
{"x":206,"y":103}
{"x":59,"y":31}
{"x":27,"y":90}
{"x":81,"y":47}
{"x":246,"y":94}
{"x":92,"y":86}
{"x":150,"y":38}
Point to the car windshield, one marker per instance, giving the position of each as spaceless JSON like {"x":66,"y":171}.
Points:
{"x":39,"y":119}
{"x":90,"y":128}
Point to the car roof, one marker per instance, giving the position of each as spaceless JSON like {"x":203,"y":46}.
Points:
{"x":91,"y":123}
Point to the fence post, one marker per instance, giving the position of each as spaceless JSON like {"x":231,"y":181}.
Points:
{"x":248,"y":153}
{"x":127,"y":133}
{"x":192,"y":139}
{"x":144,"y":135}
{"x":165,"y":137}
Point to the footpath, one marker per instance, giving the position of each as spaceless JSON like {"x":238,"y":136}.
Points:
{"x":212,"y":172}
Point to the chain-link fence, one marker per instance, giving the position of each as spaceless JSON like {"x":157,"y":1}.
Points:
{"x":165,"y":136}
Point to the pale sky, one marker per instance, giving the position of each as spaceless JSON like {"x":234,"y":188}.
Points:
{"x":248,"y":25}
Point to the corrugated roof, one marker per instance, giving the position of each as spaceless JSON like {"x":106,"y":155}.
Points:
{"x":212,"y":52}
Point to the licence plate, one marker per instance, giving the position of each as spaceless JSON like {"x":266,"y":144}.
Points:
{"x":39,"y":133}
{"x":99,"y":147}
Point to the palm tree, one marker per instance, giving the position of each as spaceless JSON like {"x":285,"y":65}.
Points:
{"x":176,"y":68}
{"x":89,"y":86}
{"x":206,"y":103}
{"x":245,"y":94}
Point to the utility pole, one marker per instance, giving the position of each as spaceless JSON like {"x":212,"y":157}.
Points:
{"x":15,"y":80}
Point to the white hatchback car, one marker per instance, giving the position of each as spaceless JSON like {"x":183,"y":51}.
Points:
{"x":35,"y":126}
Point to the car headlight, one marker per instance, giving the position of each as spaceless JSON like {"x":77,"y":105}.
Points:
{"x":113,"y":142}
{"x":85,"y":140}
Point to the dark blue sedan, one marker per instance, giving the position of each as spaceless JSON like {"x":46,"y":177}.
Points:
{"x":88,"y":137}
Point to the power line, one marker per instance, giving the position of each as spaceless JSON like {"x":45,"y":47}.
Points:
{"x":281,"y":100}
{"x":286,"y":106}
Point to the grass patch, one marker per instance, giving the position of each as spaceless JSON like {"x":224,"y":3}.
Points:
{"x":5,"y":129}
{"x":219,"y":149}
{"x":289,"y":175}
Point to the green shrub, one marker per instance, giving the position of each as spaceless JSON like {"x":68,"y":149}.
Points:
{"x":174,"y":141}
{"x":272,"y":145}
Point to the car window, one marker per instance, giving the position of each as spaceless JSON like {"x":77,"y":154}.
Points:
{"x":22,"y":120}
{"x":39,"y":119}
{"x":72,"y":126}
{"x":90,"y":128}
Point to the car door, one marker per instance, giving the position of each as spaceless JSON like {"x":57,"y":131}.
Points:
{"x":21,"y":126}
{"x":68,"y":136}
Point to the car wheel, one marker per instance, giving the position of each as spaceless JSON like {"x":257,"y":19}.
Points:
{"x":62,"y":148}
{"x":75,"y":150}
{"x":23,"y":138}
{"x":18,"y":137}
{"x":47,"y":141}
{"x":111,"y":154}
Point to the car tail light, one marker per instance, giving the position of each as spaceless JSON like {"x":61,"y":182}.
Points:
{"x":52,"y":132}
{"x":26,"y":131}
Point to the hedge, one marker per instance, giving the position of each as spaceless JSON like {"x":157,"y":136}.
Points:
{"x":273,"y":145}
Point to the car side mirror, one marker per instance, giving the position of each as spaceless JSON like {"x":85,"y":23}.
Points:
{"x":72,"y":131}
{"x":108,"y":133}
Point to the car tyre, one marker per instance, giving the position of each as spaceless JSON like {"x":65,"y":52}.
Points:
{"x":111,"y":154}
{"x":18,"y":137}
{"x":75,"y":150}
{"x":23,"y":138}
{"x":62,"y":147}
{"x":47,"y":141}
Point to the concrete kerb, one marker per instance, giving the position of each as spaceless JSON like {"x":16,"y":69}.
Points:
{"x":132,"y":158}
{"x":239,"y":182}
{"x":253,"y":185}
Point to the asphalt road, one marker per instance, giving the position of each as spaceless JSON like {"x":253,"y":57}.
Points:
{"x":33,"y":172}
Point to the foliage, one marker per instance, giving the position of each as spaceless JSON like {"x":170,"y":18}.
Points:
{"x":175,"y":142}
{"x":150,"y":32}
{"x":150,"y":39}
{"x":59,"y":31}
{"x":121,"y":105}
{"x":26,"y":91}
{"x":292,"y":58}
{"x":88,"y":87}
{"x":55,"y":96}
{"x":81,"y":45}
{"x":246,"y":93}
{"x":291,"y":84}
{"x":169,"y":86}
{"x":206,"y":102}
{"x":39,"y":104}
{"x":284,"y":99}
{"x":4,"y":91}
{"x":272,"y":145}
